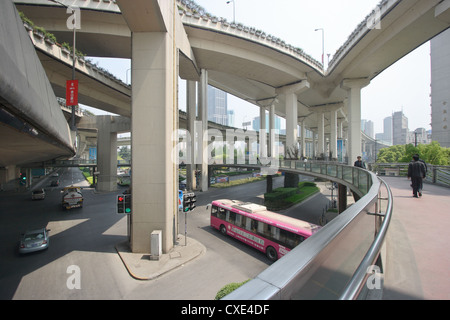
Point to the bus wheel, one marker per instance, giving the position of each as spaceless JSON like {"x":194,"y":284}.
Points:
{"x":271,"y":253}
{"x":223,"y":230}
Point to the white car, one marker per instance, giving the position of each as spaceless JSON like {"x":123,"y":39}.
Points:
{"x":38,"y":194}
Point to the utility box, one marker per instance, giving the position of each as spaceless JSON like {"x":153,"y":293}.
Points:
{"x":156,"y":245}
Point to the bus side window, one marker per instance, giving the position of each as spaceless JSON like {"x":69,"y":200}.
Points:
{"x":275,"y":233}
{"x":248,"y":224}
{"x":243,"y":221}
{"x":254,"y":226}
{"x":231,"y":217}
{"x":238,"y":221}
{"x":214,"y":211}
{"x":222,"y":214}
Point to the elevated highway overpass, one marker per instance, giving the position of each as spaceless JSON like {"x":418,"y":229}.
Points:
{"x":250,"y":65}
{"x":258,"y":67}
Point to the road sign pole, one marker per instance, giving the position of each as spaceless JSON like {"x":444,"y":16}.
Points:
{"x":185,"y":228}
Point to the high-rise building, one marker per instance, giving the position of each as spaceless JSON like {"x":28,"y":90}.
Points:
{"x":440,"y":88}
{"x":230,"y":114}
{"x":367,"y":127}
{"x":399,"y":128}
{"x":217,"y":106}
{"x":387,"y":127}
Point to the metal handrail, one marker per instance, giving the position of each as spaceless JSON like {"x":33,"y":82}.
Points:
{"x":359,"y":278}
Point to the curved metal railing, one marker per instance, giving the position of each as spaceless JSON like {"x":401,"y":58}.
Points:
{"x":333,"y":263}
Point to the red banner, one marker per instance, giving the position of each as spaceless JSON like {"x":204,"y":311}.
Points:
{"x":72,"y":93}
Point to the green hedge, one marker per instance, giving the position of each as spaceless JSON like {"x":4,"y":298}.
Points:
{"x":280,"y":194}
{"x":226,"y":290}
{"x":283,"y":198}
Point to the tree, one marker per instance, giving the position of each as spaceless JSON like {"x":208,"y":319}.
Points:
{"x":125,"y":153}
{"x":431,"y":153}
{"x":391,"y":154}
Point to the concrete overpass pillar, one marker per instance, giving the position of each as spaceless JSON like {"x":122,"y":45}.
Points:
{"x":333,"y":135}
{"x":291,"y":121}
{"x":303,"y":138}
{"x":353,"y":87}
{"x":106,"y":155}
{"x":271,"y":148}
{"x":321,"y":135}
{"x":191,"y":103}
{"x":262,"y":133}
{"x":154,"y":112}
{"x":203,"y":115}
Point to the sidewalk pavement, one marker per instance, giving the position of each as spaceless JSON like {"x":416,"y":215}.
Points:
{"x":141,"y":267}
{"x":418,"y":259}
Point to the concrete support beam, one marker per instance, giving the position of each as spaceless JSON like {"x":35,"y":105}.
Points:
{"x":291,"y":121}
{"x":191,"y":88}
{"x":153,"y":112}
{"x":353,"y":87}
{"x":271,"y":149}
{"x":303,"y":138}
{"x":106,"y":154}
{"x":262,"y":133}
{"x":203,"y":115}
{"x":321,"y":134}
{"x":333,"y":134}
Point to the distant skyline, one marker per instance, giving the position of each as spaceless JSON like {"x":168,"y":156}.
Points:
{"x":403,"y":86}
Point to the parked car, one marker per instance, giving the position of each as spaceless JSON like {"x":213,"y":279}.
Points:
{"x":34,"y":240}
{"x":38,"y":194}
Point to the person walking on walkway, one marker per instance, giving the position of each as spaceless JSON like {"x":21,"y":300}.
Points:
{"x":416,"y":172}
{"x":359,"y":163}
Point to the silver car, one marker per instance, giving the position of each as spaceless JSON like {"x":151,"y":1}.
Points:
{"x":34,"y":240}
{"x":38,"y":194}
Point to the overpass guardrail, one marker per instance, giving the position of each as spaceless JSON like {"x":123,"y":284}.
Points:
{"x":337,"y":262}
{"x":435,"y":174}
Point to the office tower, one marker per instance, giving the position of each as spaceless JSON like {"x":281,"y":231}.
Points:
{"x":217,"y":106}
{"x":399,"y":128}
{"x":367,"y":127}
{"x":440,"y":89}
{"x":230,"y":120}
{"x":387,"y":127}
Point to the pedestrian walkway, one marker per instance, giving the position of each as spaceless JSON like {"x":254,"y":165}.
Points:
{"x":418,"y":258}
{"x":141,"y":267}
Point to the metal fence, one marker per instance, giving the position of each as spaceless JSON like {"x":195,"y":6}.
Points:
{"x":435,"y":174}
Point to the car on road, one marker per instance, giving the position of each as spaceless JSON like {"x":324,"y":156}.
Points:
{"x":34,"y":240}
{"x":38,"y":194}
{"x":54,"y":183}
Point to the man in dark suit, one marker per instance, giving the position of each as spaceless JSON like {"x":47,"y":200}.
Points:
{"x":416,"y":172}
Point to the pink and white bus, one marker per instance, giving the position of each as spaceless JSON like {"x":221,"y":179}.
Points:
{"x":269,"y":232}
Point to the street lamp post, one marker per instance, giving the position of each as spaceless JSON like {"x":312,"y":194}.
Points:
{"x":323,"y":46}
{"x":73,"y":126}
{"x":234,"y":10}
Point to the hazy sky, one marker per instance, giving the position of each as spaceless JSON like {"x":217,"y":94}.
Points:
{"x":404,"y":86}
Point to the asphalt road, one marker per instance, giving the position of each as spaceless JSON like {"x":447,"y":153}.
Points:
{"x":86,"y":237}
